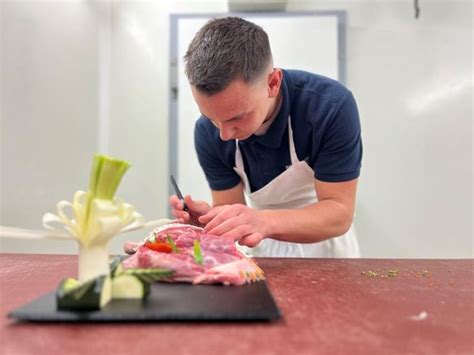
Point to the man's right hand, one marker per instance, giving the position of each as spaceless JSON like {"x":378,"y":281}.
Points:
{"x":196,"y":209}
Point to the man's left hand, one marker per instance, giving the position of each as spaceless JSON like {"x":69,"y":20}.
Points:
{"x":238,"y":221}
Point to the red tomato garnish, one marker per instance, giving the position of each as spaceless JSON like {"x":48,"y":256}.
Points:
{"x":159,"y":246}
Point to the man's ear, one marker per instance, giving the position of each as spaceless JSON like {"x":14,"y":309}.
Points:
{"x":274,"y":82}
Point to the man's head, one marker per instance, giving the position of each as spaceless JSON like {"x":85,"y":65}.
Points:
{"x":225,"y":49}
{"x":229,"y":66}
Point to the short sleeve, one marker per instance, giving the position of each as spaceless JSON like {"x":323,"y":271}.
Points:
{"x":340,"y":155}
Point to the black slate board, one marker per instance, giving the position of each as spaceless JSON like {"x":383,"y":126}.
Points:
{"x":167,"y":302}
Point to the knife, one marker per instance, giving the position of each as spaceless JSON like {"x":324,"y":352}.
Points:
{"x":178,"y":192}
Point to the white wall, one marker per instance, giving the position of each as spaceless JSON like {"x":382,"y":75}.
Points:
{"x":48,"y":110}
{"x":412,"y":80}
{"x":413,"y":83}
{"x":56,"y":107}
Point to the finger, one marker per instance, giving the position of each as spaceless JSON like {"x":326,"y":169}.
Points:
{"x":210,"y":215}
{"x":235,"y":230}
{"x":173,"y":199}
{"x":218,"y":216}
{"x":175,"y":202}
{"x":200,"y":207}
{"x":251,"y":240}
{"x":225,"y":213}
{"x":180,"y":214}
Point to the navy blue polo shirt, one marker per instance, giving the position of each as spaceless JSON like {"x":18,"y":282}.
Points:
{"x":326,"y":132}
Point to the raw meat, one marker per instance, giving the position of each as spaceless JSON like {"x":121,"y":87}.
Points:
{"x":222,"y":262}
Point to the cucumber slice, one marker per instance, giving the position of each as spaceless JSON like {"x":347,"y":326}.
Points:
{"x":129,"y":287}
{"x":106,"y":292}
{"x":135,"y":283}
{"x":149,"y":275}
{"x":69,"y":283}
{"x":118,"y":270}
{"x":115,"y":265}
{"x":90,"y":295}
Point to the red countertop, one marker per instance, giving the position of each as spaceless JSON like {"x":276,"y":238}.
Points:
{"x":329,"y":306}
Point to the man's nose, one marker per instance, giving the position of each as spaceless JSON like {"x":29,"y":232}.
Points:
{"x":226,"y":133}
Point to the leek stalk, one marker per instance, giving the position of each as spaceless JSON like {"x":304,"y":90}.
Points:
{"x":102,"y":217}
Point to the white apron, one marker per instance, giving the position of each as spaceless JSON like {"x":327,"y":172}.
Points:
{"x":294,"y":188}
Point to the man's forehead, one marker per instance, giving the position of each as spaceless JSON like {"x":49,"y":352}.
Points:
{"x":236,"y":87}
{"x":224,"y":105}
{"x":219,"y":115}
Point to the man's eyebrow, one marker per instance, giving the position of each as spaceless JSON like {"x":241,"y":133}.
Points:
{"x":230,"y":119}
{"x":235,"y":117}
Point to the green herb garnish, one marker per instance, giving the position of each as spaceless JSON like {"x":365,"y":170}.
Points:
{"x":197,"y":252}
{"x":172,"y":243}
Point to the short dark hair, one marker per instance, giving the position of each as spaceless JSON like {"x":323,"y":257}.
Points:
{"x":225,"y":49}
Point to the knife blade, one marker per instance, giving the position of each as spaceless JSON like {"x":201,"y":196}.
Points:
{"x":178,"y":192}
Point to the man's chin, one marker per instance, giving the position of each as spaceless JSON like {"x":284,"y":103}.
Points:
{"x":243,"y":137}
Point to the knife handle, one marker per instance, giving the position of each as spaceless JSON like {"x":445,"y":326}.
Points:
{"x":178,"y":193}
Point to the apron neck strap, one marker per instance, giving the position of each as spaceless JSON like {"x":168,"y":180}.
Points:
{"x":239,"y":163}
{"x":293,"y":156}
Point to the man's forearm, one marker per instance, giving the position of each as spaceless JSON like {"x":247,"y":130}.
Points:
{"x":320,"y":221}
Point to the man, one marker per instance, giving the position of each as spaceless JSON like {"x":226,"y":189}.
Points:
{"x":289,"y":140}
